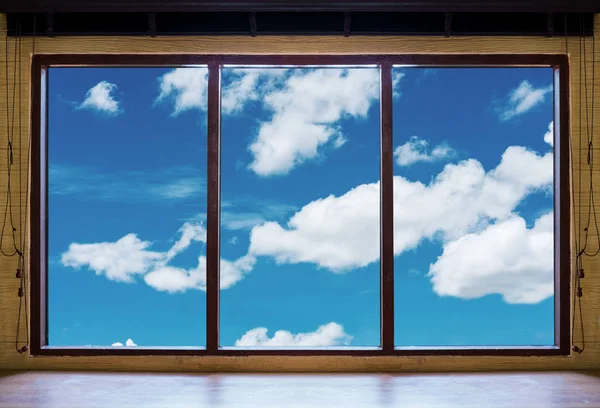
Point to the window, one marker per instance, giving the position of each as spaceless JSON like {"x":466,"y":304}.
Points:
{"x":473,"y":201}
{"x":126,"y":203}
{"x":287,"y":199}
{"x":351,"y":205}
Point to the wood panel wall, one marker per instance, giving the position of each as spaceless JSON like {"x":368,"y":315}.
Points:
{"x":10,"y":359}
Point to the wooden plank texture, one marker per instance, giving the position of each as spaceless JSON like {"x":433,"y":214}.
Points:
{"x":483,"y":390}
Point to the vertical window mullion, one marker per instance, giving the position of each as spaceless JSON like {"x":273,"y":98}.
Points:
{"x":387,"y":210}
{"x":562,"y":209}
{"x":213,"y":208}
{"x":38,"y":207}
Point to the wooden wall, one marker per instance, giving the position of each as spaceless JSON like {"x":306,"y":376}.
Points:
{"x":10,"y":359}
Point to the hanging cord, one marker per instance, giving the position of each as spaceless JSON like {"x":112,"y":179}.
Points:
{"x":577,"y":290}
{"x":10,"y":127}
{"x":575,"y":274}
{"x":583,"y":251}
{"x":18,"y":244}
{"x":24,"y":270}
{"x":590,"y":154}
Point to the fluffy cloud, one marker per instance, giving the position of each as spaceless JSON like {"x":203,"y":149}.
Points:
{"x":119,"y":261}
{"x":129,"y":256}
{"x":331,"y":334}
{"x":189,"y":232}
{"x":128,"y":343}
{"x":522,"y":99}
{"x":232,"y":272}
{"x":186,"y":87}
{"x":505,"y":258}
{"x":245,"y":87}
{"x":549,"y":135}
{"x":306,"y":106}
{"x":100,"y":98}
{"x":171,"y":279}
{"x":305,"y":112}
{"x":341,"y":233}
{"x":334,"y":232}
{"x":416,"y":150}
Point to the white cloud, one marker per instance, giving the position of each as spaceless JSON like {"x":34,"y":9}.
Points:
{"x":339,"y":141}
{"x":128,"y":343}
{"x":305,"y":106}
{"x":416,"y":150}
{"x":232,"y":272}
{"x":331,"y":334}
{"x":334,"y":232}
{"x":549,"y":135}
{"x":119,"y":261}
{"x":305,"y":115}
{"x":129,"y":256}
{"x":100,"y":98}
{"x":519,"y":268}
{"x":522,"y":99}
{"x":187,"y":87}
{"x":189,"y":232}
{"x":505,"y":258}
{"x":172,"y":279}
{"x":245,"y":87}
{"x":396,"y":78}
{"x":341,"y":233}
{"x":240,"y":90}
{"x":233,"y":240}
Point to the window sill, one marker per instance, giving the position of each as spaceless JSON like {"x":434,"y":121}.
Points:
{"x":313,"y":352}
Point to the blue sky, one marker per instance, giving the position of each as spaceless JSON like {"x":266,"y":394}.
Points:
{"x":300,"y":207}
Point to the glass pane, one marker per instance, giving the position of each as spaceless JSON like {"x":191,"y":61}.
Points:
{"x":473,"y":202}
{"x":300,"y":207}
{"x":127,"y":203}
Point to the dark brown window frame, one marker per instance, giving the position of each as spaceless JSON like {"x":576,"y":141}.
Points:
{"x":39,"y":198}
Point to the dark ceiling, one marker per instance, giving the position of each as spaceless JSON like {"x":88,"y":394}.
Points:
{"x":301,"y":23}
{"x":551,"y":6}
{"x":306,"y":17}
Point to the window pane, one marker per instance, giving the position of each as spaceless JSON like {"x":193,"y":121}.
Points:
{"x":473,"y":202}
{"x":300,"y":207}
{"x":127,"y":203}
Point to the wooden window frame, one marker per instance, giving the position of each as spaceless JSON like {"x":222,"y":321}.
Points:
{"x":39,"y":198}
